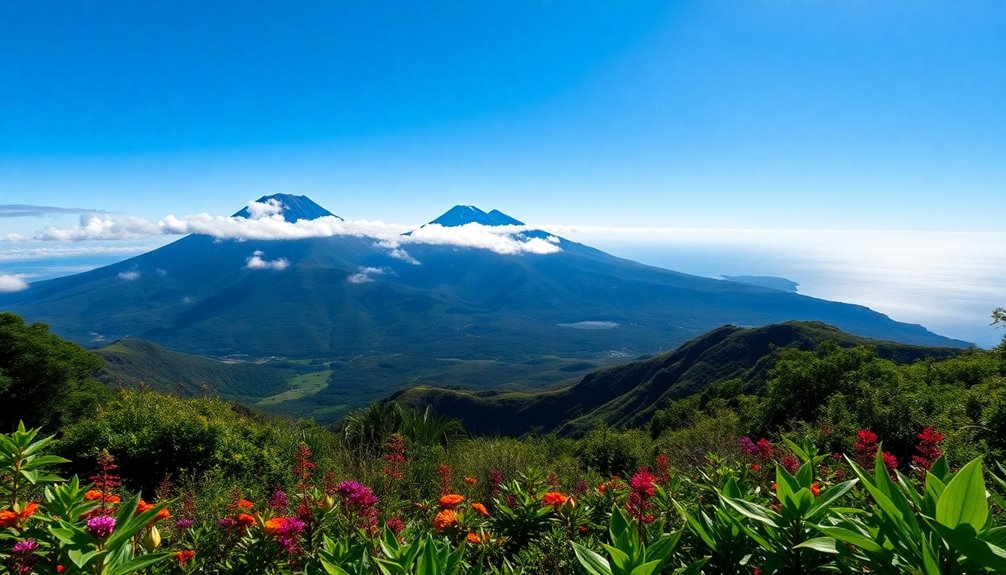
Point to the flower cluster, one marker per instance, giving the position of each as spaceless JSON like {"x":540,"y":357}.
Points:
{"x":359,"y":502}
{"x":641,"y":490}
{"x":927,"y":450}
{"x":286,"y":531}
{"x":395,"y":457}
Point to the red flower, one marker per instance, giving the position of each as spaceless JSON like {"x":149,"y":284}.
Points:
{"x":246,"y":520}
{"x":480,"y":509}
{"x":815,"y":489}
{"x":185,"y":556}
{"x":244,"y":504}
{"x":928,"y":448}
{"x":790,"y":463}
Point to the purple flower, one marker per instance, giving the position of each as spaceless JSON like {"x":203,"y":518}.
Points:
{"x":24,"y":547}
{"x":356,"y":494}
{"x":101,"y":526}
{"x":279,"y":501}
{"x":288,"y":531}
{"x":184,"y":523}
{"x":748,"y":446}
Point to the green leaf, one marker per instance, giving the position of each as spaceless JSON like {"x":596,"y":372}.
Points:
{"x":645,"y":568}
{"x":137,"y":563}
{"x":829,"y":496}
{"x":851,"y":537}
{"x":591,"y":561}
{"x":619,"y":562}
{"x":822,"y":544}
{"x":752,"y":511}
{"x":697,"y":528}
{"x":963,"y":540}
{"x":963,"y":501}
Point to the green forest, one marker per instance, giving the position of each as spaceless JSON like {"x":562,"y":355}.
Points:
{"x":834,"y":456}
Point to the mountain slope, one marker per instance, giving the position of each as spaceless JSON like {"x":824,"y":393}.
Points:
{"x":436,"y":313}
{"x":629,"y":394}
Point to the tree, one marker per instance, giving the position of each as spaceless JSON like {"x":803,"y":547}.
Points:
{"x":44,"y":379}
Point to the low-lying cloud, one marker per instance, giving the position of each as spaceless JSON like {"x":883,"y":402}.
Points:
{"x":12,"y":283}
{"x":365,"y":275}
{"x":35,"y":211}
{"x":266,"y":222}
{"x":130,"y":275}
{"x":258,"y":262}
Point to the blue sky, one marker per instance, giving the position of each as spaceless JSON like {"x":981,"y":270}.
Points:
{"x":776,"y":113}
{"x":748,"y":117}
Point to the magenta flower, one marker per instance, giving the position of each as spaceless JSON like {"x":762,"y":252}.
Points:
{"x":101,"y":526}
{"x":24,"y":547}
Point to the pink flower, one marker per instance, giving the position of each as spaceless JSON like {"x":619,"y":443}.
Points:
{"x":101,"y":526}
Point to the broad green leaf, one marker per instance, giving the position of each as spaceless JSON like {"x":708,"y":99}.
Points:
{"x":645,"y":568}
{"x":963,"y":540}
{"x":619,"y":562}
{"x":822,"y":544}
{"x":850,"y":537}
{"x":829,"y":496}
{"x":963,"y":501}
{"x":137,"y":563}
{"x":752,"y":511}
{"x":591,"y":561}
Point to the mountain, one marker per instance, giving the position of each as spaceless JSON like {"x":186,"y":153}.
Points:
{"x":516,"y":307}
{"x":629,"y":394}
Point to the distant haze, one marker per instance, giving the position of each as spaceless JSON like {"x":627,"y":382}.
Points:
{"x":946,"y":281}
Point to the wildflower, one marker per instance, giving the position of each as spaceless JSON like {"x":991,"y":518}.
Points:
{"x":245,"y":520}
{"x":288,"y":533}
{"x":755,"y":467}
{"x":554,"y":499}
{"x":890,"y":461}
{"x":470,"y":480}
{"x":244,"y":504}
{"x":473,"y":538}
{"x":360,"y":501}
{"x":303,"y":469}
{"x":395,"y":457}
{"x":450,"y":501}
{"x":444,"y":519}
{"x":641,"y":490}
{"x":748,"y":446}
{"x":445,"y":479}
{"x":101,"y":526}
{"x":272,"y":526}
{"x":584,"y":530}
{"x":105,"y":479}
{"x":184,"y":524}
{"x":815,"y":489}
{"x":60,"y":568}
{"x":185,"y":556}
{"x":480,"y":509}
{"x":663,"y":464}
{"x":278,"y":501}
{"x":790,"y":463}
{"x":928,"y":448}
{"x":24,"y":547}
{"x":764,"y":449}
{"x":395,"y":524}
{"x":142,"y":506}
{"x":93,"y":495}
{"x":495,"y":480}
{"x":581,"y":487}
{"x":865,"y":447}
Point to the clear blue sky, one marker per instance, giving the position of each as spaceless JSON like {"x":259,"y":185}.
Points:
{"x":774,"y":113}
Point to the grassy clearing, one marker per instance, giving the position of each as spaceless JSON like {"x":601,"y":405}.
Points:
{"x":300,"y":387}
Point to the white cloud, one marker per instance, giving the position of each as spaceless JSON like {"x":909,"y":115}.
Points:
{"x":131,"y":275}
{"x":364,"y":275}
{"x":400,"y":254}
{"x":12,"y":283}
{"x":38,"y":252}
{"x":102,"y":227}
{"x":257,"y":262}
{"x":266,"y":209}
{"x":266,"y":222}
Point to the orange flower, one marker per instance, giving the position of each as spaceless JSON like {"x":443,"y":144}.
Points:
{"x":10,"y":518}
{"x":445,"y":519}
{"x":184,"y":556}
{"x":554,"y":498}
{"x":273,"y":526}
{"x":112,"y":499}
{"x":92,"y":495}
{"x":244,"y":504}
{"x":815,"y":489}
{"x":162,"y":514}
{"x":246,"y":520}
{"x":451,"y":500}
{"x":142,"y":506}
{"x":29,"y":510}
{"x":481,"y":509}
{"x":473,"y":538}
{"x":471,"y":481}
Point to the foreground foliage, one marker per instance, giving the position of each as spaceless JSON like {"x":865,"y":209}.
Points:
{"x":778,"y":508}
